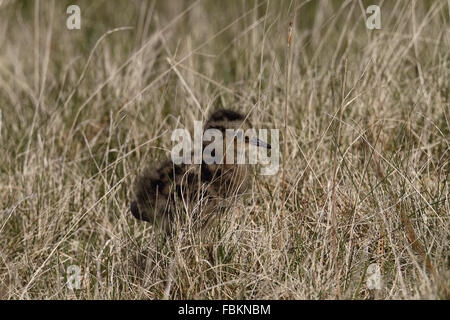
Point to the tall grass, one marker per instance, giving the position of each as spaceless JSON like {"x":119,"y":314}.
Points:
{"x":367,"y":167}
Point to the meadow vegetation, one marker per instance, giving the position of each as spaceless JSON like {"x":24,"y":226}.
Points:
{"x":367,"y":164}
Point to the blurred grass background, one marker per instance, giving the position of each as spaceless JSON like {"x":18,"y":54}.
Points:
{"x":82,"y":111}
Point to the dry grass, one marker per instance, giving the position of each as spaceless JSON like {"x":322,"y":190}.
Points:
{"x":82,"y":111}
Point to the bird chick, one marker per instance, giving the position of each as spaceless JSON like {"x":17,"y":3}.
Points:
{"x":166,"y":192}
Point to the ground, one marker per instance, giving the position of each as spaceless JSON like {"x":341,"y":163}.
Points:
{"x":361,"y":211}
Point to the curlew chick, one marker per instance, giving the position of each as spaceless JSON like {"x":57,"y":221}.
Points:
{"x":167,"y":193}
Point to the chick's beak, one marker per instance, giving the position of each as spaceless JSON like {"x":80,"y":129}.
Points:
{"x":259,"y":143}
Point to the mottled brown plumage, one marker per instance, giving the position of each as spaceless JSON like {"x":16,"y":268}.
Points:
{"x":166,"y":192}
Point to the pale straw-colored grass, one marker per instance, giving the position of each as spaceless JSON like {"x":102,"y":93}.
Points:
{"x":367,"y":161}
